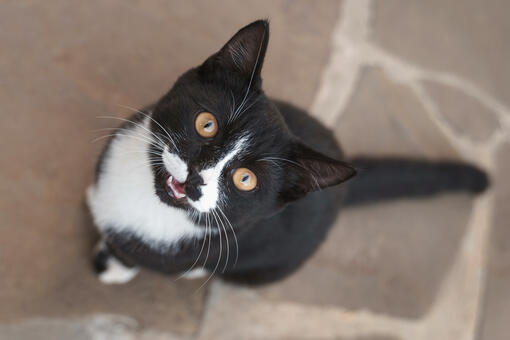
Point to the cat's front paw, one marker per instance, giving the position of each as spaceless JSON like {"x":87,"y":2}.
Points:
{"x":109,"y":269}
{"x":116,"y":272}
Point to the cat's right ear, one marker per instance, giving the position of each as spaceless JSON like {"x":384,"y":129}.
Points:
{"x":307,"y":170}
{"x":242,"y":54}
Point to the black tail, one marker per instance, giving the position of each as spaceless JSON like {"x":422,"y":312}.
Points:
{"x":384,"y":179}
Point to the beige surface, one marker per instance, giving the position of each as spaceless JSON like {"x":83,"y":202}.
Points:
{"x":391,"y":77}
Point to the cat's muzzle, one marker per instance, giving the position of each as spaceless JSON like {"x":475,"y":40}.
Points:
{"x":187,"y":190}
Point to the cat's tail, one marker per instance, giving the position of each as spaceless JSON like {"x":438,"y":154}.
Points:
{"x":393,"y":178}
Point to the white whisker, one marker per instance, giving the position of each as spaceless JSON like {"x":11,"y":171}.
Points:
{"x":198,"y":257}
{"x":134,"y":123}
{"x":226,"y":239}
{"x":251,"y":77}
{"x":233,"y":232}
{"x":128,"y":136}
{"x":148,"y":116}
{"x":219,"y":257}
{"x":297,"y":164}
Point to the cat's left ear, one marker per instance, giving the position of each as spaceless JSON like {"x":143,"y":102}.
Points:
{"x":308,"y":170}
{"x":243,"y":53}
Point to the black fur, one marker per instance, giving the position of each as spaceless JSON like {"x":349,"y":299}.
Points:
{"x":383,"y":179}
{"x":297,"y":161}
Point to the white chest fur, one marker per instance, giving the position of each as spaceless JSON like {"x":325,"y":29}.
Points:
{"x":124,"y":198}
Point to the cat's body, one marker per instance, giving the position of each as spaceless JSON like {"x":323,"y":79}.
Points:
{"x":217,"y":176}
{"x":141,"y":231}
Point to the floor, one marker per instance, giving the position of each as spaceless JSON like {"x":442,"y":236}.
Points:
{"x":412,"y":78}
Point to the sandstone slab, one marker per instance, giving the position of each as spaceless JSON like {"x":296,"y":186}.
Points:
{"x":494,"y":325}
{"x":467,"y":38}
{"x":464,"y":114}
{"x":387,"y":258}
{"x":386,"y":118}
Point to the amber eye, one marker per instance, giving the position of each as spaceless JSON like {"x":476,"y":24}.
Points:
{"x":206,"y":125}
{"x":244,"y":179}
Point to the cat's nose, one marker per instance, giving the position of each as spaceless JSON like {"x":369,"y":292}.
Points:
{"x":193,"y":184}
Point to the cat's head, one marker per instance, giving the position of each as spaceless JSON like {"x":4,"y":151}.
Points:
{"x":227,"y":148}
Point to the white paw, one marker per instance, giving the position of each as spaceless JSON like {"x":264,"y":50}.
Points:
{"x":197,"y":273}
{"x":116,"y":272}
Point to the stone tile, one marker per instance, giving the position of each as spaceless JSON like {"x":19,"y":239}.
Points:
{"x":135,"y":50}
{"x":386,"y":118}
{"x":62,"y":64}
{"x":98,"y":327}
{"x":241,"y":313}
{"x":376,"y":337}
{"x":494,"y":324}
{"x":464,"y":114}
{"x":468,"y":38}
{"x":388,"y":258}
{"x":370,"y":337}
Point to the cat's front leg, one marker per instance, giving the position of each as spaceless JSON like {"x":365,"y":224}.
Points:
{"x":111,"y":270}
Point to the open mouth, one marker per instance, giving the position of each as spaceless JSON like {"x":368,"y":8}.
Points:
{"x":175,"y":188}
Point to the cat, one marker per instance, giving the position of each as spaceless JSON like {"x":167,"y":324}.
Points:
{"x":217,"y":178}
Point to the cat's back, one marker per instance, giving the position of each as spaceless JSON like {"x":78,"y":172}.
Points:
{"x":312,"y":132}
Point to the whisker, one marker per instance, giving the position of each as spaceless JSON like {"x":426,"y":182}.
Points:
{"x":141,"y":164}
{"x":226,"y":239}
{"x":148,"y":116}
{"x":198,"y":257}
{"x":233,"y":232}
{"x":219,"y":258}
{"x":134,"y":136}
{"x":208,"y":230}
{"x":297,"y":164}
{"x":134,"y":123}
{"x":127,"y":136}
{"x":252,"y":74}
{"x":128,"y":131}
{"x":249,"y":106}
{"x":232,"y":107}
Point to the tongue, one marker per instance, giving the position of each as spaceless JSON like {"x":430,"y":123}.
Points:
{"x":178,"y":187}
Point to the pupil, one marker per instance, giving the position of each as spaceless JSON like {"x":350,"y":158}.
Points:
{"x":208,"y":124}
{"x":245,"y":178}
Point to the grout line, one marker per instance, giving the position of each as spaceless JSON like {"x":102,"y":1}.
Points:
{"x":458,"y":309}
{"x":350,"y":53}
{"x":411,"y":75}
{"x":477,"y":153}
{"x":343,"y":69}
{"x":208,"y":300}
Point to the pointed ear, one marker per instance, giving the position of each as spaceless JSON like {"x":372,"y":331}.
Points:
{"x":243,"y":53}
{"x":309,"y":170}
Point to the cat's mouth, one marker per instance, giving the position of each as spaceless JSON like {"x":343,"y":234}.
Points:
{"x":175,"y":188}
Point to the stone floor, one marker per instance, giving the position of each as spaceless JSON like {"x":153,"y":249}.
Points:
{"x":391,"y":77}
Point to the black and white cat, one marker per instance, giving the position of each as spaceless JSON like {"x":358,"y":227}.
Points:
{"x":218,"y":178}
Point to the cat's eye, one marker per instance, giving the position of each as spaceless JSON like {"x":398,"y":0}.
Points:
{"x":206,"y":125}
{"x":244,"y":179}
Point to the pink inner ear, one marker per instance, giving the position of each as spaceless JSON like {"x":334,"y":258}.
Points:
{"x":324,"y":172}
